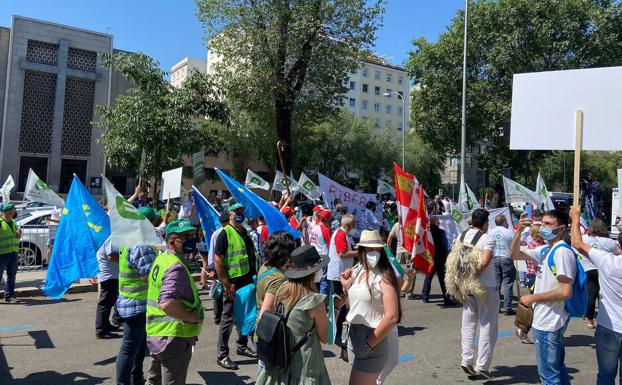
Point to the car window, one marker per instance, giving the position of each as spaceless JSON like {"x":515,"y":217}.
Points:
{"x":22,"y":217}
{"x":42,"y":220}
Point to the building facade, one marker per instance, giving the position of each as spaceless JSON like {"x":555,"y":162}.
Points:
{"x":182,"y":70}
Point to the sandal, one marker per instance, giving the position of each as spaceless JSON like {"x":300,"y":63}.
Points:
{"x":590,"y":325}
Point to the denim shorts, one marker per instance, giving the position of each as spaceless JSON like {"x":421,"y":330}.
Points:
{"x":367,"y":360}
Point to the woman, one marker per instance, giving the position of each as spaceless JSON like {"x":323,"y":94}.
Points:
{"x":306,"y":314}
{"x":270,"y":276}
{"x":375,"y":309}
{"x":597,"y":237}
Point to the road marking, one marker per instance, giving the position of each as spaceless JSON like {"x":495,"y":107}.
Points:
{"x":16,"y":327}
{"x":407,"y":357}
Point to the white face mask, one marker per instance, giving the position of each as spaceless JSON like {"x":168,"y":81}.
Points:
{"x":372,"y":258}
{"x":318,"y":276}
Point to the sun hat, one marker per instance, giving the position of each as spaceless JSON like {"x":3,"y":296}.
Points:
{"x":235,"y":206}
{"x":7,"y":207}
{"x":370,"y":238}
{"x":179,"y":226}
{"x":148,"y":212}
{"x":305,"y":261}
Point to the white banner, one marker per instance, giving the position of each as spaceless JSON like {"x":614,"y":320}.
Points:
{"x":619,"y":206}
{"x":472,"y":201}
{"x":517,"y":193}
{"x":308,"y":188}
{"x":6,"y":189}
{"x":280,"y":183}
{"x":543,"y":193}
{"x":171,"y":184}
{"x":128,"y":226}
{"x":37,"y":191}
{"x":354,"y":201}
{"x":385,"y":188}
{"x":255,"y":181}
{"x":453,"y":229}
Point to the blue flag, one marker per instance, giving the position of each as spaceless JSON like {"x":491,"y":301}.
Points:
{"x":83,"y":229}
{"x":255,"y":206}
{"x":208,"y":216}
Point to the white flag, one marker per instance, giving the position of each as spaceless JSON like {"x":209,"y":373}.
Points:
{"x":308,"y":188}
{"x":472,"y":201}
{"x":515,"y":192}
{"x":255,"y":181}
{"x":461,"y":207}
{"x":37,"y":191}
{"x":385,"y":188}
{"x":128,"y":227}
{"x":543,"y":193}
{"x":280,"y":183}
{"x":6,"y":189}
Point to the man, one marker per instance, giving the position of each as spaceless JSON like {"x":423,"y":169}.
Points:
{"x":319,"y":237}
{"x":234,"y":260}
{"x":188,"y":210}
{"x":437,"y":206}
{"x":441,"y":249}
{"x":174,"y":311}
{"x":550,"y":318}
{"x":139,"y":199}
{"x":505,"y":272}
{"x":370,"y":221}
{"x":609,"y":329}
{"x":108,"y":279}
{"x":134,"y":266}
{"x":476,"y":313}
{"x":591,"y":194}
{"x":9,"y":246}
{"x":341,"y":258}
{"x":53,"y":222}
{"x":218,"y":302}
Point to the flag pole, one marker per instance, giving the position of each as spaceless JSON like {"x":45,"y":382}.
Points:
{"x":280,"y":146}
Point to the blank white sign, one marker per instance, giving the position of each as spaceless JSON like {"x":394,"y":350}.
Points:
{"x":544,"y":104}
{"x":171,"y":184}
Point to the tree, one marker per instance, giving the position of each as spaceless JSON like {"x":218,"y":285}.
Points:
{"x":155,"y":118}
{"x":505,"y":38}
{"x":288,"y":58}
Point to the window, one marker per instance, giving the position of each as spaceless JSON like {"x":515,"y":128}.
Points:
{"x":400,"y":110}
{"x":399,"y":126}
{"x":388,"y":108}
{"x":365,"y":86}
{"x":377,"y":107}
{"x":352,"y":85}
{"x":377,"y":122}
{"x":400,"y":80}
{"x":352,"y":102}
{"x":376,"y":90}
{"x":377,"y":75}
{"x":365,"y":71}
{"x":389,"y":77}
{"x":400,"y":93}
{"x":389,"y":92}
{"x":364,"y":104}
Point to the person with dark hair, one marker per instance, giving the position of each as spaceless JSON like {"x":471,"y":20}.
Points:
{"x":505,"y":272}
{"x":598,"y":237}
{"x":498,"y":197}
{"x":591,"y":196}
{"x":369,"y":220}
{"x":441,"y":249}
{"x":218,"y":302}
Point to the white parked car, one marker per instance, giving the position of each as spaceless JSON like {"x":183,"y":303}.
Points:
{"x":35,"y":235}
{"x":32,"y":206}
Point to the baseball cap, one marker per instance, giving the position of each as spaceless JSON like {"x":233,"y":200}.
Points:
{"x":179,"y":226}
{"x":235,"y":206}
{"x":326,"y":214}
{"x":287,"y":211}
{"x":7,"y":207}
{"x":148,"y":212}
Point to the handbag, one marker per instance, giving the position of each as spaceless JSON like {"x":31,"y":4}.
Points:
{"x":524,"y":314}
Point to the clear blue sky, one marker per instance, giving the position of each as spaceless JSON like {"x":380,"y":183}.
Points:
{"x":169,"y":31}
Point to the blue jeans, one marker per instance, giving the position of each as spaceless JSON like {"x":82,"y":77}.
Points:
{"x":506,"y":276}
{"x":521,"y":276}
{"x":608,"y":355}
{"x":550,"y":355}
{"x":9,"y":262}
{"x":132,"y":352}
{"x":324,"y":284}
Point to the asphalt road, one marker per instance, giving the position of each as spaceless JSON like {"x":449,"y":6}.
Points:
{"x":48,"y":342}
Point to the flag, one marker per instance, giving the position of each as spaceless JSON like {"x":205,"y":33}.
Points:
{"x":128,"y":226}
{"x":385,"y":188}
{"x":543,"y":193}
{"x":6,"y":189}
{"x":37,"y":191}
{"x":308,"y":188}
{"x":396,"y":264}
{"x":423,"y":251}
{"x":255,"y":206}
{"x":82,"y":231}
{"x":472,"y":201}
{"x":405,"y":187}
{"x":208,"y":216}
{"x":332,"y":321}
{"x":280,"y":183}
{"x":515,"y":192}
{"x":462,"y":206}
{"x":198,"y":167}
{"x":255,"y":181}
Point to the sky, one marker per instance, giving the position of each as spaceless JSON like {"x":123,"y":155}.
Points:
{"x":168,"y":30}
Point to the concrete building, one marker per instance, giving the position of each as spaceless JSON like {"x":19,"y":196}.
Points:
{"x":182,"y":70}
{"x":51,"y":79}
{"x":475,"y":177}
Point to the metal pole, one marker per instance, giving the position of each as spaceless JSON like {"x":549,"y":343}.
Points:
{"x":403,"y":132}
{"x":464,"y":75}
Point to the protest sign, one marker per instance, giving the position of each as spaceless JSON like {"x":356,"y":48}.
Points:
{"x":354,"y":201}
{"x":171,"y":184}
{"x":453,"y":229}
{"x":6,"y":189}
{"x":198,"y":168}
{"x":308,"y":188}
{"x":37,"y":191}
{"x":255,"y":181}
{"x":619,"y":205}
{"x":517,"y":193}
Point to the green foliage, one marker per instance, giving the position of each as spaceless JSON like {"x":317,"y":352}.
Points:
{"x":505,"y":37}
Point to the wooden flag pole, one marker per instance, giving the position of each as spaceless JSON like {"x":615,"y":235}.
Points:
{"x":280,"y":147}
{"x":577,"y":155}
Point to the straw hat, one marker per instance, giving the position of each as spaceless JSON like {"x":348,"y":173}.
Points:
{"x":370,"y":238}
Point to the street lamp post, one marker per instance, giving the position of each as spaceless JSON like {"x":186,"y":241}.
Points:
{"x":464,"y":75}
{"x":400,"y":96}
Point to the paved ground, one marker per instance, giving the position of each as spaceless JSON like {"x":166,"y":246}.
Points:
{"x":48,"y":342}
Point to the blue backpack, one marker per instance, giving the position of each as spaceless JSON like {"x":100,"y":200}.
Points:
{"x":577,"y":304}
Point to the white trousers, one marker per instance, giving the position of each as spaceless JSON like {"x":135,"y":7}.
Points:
{"x":394,"y":356}
{"x":486,"y":315}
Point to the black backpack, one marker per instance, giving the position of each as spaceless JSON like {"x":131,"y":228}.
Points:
{"x":273,"y":339}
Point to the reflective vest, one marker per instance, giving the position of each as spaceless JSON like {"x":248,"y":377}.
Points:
{"x":9,"y":243}
{"x":236,"y":260}
{"x":159,"y":324}
{"x":131,"y":283}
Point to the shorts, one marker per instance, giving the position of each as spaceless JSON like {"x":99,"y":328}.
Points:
{"x":50,"y":242}
{"x":366,"y":360}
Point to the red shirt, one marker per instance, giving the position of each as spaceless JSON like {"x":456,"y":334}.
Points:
{"x":341,"y":241}
{"x":325,"y":233}
{"x":293,"y":222}
{"x":264,"y":232}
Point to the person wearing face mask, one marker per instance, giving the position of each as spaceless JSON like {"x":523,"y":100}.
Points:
{"x":373,"y":296}
{"x":174,"y":310}
{"x":370,"y":221}
{"x":550,"y":318}
{"x":9,"y":245}
{"x":234,"y":260}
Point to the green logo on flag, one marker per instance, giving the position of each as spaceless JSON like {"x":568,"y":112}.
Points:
{"x":126,"y":210}
{"x":255,"y":180}
{"x":41,"y":185}
{"x":308,"y":185}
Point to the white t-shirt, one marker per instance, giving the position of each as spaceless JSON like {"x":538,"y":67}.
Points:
{"x":487,"y":277}
{"x":610,"y":280}
{"x":212,"y":246}
{"x":503,"y":239}
{"x":600,"y":243}
{"x":549,"y":316}
{"x":366,"y":309}
{"x":338,"y":265}
{"x":316,"y":238}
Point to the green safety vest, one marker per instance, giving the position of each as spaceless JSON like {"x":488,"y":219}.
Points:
{"x":160,"y":324}
{"x":236,"y":260}
{"x":9,"y":243}
{"x":131,"y":283}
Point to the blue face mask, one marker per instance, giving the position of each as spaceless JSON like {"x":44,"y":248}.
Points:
{"x":548,"y":234}
{"x":239,"y":218}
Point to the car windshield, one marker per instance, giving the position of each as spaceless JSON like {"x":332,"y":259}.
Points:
{"x":22,"y":217}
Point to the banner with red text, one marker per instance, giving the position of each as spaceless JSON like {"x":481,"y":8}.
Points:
{"x":353,"y":200}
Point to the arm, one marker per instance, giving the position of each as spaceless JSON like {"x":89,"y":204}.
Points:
{"x":175,"y":309}
{"x":561,"y":293}
{"x":390,"y":301}
{"x":515,"y":251}
{"x":320,"y":318}
{"x":575,"y":232}
{"x":133,"y":197}
{"x":267,"y":304}
{"x":486,"y":259}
